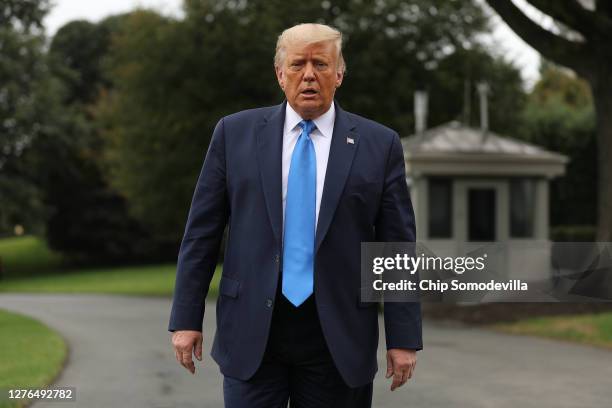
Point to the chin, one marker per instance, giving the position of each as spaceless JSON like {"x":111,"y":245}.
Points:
{"x":307,"y":108}
{"x":312,"y":112}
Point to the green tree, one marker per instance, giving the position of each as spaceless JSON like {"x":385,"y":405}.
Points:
{"x":560,"y":116}
{"x":464,"y":69}
{"x":22,"y":115}
{"x":174,"y":79}
{"x":77,"y":50}
{"x":583,"y":45}
{"x":87,"y":220}
{"x":154,"y":120}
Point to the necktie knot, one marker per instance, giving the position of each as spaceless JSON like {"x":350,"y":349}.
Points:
{"x":307,"y":127}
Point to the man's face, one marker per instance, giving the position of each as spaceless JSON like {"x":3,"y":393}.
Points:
{"x":309,"y":77}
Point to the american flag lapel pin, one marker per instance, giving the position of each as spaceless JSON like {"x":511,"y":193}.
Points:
{"x":350,"y":140}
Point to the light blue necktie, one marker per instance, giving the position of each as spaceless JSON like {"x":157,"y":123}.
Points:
{"x":300,"y":216}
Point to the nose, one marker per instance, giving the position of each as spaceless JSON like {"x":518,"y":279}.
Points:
{"x":309,"y":75}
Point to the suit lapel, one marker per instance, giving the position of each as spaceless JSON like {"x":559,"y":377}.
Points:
{"x":269,"y":155}
{"x":341,"y":155}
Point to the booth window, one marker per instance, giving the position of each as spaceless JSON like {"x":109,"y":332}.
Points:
{"x":440,"y":208}
{"x":522,"y":208}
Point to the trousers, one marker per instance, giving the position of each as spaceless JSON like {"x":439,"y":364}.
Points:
{"x":297,"y":369}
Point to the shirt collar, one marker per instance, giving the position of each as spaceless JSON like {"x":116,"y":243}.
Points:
{"x":324,"y":123}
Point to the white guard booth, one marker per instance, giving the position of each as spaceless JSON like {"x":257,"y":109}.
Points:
{"x":471,"y":187}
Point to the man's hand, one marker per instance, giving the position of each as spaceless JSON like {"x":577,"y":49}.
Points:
{"x":186,"y":342}
{"x":400,"y":365}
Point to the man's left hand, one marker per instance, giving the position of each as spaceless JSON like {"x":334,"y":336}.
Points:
{"x":400,"y":365}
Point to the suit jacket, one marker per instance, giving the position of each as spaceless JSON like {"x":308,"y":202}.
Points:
{"x":365,"y":198}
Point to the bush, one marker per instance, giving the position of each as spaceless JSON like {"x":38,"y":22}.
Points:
{"x":573,"y":233}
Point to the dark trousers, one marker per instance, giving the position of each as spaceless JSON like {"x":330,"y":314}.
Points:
{"x":296,"y":368}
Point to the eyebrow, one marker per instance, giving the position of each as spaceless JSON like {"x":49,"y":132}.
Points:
{"x":318,"y":58}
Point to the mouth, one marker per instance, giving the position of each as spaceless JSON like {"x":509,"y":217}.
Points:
{"x":309,"y":92}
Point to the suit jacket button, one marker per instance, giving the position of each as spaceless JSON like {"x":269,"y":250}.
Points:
{"x":277,"y":258}
{"x":269,"y":302}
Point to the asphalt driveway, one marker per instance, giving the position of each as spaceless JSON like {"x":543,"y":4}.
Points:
{"x":120,"y":355}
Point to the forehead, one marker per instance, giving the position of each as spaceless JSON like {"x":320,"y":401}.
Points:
{"x":326,"y":49}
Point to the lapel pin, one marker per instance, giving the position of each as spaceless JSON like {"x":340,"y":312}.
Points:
{"x":350,"y":140}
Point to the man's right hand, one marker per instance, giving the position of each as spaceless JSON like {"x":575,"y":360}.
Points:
{"x":185,"y":343}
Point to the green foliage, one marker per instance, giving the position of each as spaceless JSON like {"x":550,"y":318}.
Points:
{"x":560,"y":116}
{"x":573,"y":233}
{"x":50,"y":179}
{"x":23,"y":16}
{"x":394,"y":48}
{"x":173,"y":80}
{"x":24,"y":256}
{"x":86,"y":220}
{"x":557,"y":84}
{"x":77,"y":50}
{"x":579,"y":41}
{"x":154,"y":121}
{"x":22,"y":116}
{"x":465,"y":68}
{"x":118,"y":114}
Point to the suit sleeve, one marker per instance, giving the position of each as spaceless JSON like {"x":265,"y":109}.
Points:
{"x":395,"y":223}
{"x":199,"y":248}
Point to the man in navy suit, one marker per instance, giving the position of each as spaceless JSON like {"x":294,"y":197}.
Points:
{"x":300,"y":186}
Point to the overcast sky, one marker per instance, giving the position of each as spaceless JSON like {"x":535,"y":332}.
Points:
{"x":504,"y":40}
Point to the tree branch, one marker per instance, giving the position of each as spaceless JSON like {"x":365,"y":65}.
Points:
{"x":551,"y":46}
{"x":569,"y":12}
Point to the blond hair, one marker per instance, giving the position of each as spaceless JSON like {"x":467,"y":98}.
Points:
{"x":308,"y":33}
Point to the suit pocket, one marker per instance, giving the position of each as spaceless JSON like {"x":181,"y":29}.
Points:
{"x":229,"y":287}
{"x":226,"y":313}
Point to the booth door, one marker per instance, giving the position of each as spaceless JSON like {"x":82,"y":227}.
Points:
{"x":482,"y":214}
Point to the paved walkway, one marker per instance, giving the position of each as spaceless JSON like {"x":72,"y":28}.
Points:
{"x":120,"y":356}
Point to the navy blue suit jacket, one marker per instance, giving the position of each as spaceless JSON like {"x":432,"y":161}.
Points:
{"x":365,"y":198}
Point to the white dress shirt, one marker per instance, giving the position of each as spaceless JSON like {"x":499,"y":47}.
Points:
{"x":321,"y":139}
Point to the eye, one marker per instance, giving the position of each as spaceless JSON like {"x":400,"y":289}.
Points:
{"x":320,"y":65}
{"x":296,"y":65}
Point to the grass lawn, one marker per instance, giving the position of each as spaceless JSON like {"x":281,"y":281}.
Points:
{"x":591,"y":329}
{"x":29,"y":266}
{"x":154,"y":280}
{"x":28,"y":255}
{"x":31,"y":354}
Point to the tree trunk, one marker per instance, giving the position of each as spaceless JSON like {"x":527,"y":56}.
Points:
{"x":601,"y":86}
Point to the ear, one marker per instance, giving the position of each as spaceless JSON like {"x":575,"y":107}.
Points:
{"x":339,"y":78}
{"x":280,"y":76}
